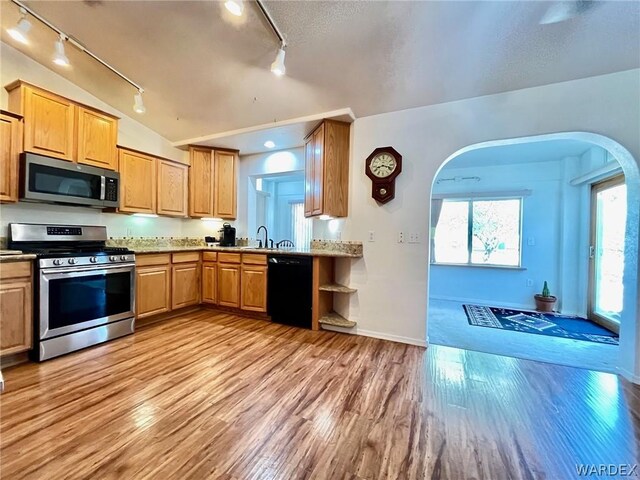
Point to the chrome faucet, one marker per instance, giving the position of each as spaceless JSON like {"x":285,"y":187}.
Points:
{"x":266,"y":237}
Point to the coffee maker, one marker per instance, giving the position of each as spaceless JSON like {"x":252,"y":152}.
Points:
{"x":227,"y":235}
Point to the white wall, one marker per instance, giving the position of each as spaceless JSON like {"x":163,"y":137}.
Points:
{"x":14,"y":65}
{"x":392,"y":278}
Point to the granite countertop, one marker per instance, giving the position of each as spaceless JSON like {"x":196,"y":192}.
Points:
{"x":15,"y":256}
{"x":266,"y":251}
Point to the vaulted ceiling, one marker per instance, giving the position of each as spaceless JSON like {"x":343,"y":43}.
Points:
{"x":206,"y":72}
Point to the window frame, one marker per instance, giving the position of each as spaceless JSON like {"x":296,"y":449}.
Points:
{"x":470,"y":201}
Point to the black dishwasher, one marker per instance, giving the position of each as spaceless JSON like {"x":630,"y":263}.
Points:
{"x":289,"y":290}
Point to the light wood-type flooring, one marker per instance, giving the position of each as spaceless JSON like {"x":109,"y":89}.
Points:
{"x":211,"y":395}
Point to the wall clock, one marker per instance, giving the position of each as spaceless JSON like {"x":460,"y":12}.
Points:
{"x":382,"y":167}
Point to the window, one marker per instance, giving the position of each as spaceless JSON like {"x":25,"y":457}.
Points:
{"x":479,"y":232}
{"x":300,"y":226}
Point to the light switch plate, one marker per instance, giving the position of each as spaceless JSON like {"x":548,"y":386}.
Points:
{"x":372,"y":236}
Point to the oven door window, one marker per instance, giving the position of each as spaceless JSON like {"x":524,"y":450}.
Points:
{"x":57,"y":181}
{"x":74,"y":300}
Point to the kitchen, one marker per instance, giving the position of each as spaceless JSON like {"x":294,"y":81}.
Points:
{"x":151,"y":328}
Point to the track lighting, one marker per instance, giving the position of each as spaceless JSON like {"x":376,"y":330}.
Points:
{"x":59,"y":57}
{"x":277,"y":67}
{"x":138,"y":105}
{"x":236,"y":7}
{"x":19,"y":32}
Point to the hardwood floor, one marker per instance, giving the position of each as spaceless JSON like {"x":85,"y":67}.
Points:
{"x":211,"y":395}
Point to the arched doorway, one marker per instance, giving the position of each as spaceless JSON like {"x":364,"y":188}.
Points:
{"x":625,"y":361}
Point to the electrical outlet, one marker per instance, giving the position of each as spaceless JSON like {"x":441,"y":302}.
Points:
{"x":372,"y":236}
{"x":529,"y":282}
{"x":414,"y":237}
{"x":400,"y":236}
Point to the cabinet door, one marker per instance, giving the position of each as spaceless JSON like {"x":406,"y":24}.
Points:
{"x":224,"y":203}
{"x":318,"y":171}
{"x":228,"y":285}
{"x":10,"y":146}
{"x":48,"y":124}
{"x":200,"y":183}
{"x":308,"y":177}
{"x":172,"y":189}
{"x":153,"y":290}
{"x":254,"y":288}
{"x":185,"y":285}
{"x":209,"y":283}
{"x":137,"y":182}
{"x":97,"y":139}
{"x":15,"y":316}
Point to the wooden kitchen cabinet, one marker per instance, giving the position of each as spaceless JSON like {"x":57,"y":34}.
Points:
{"x":225,"y":184}
{"x":229,"y":285}
{"x":185,"y":281}
{"x":97,"y":138}
{"x":15,"y":308}
{"x":210,"y":282}
{"x":201,"y":176}
{"x":10,"y":149}
{"x":153,"y":290}
{"x":172,"y":189}
{"x":327,"y":169}
{"x":254,"y":288}
{"x":49,"y":120}
{"x":137,"y":182}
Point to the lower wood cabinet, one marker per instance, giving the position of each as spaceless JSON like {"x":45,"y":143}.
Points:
{"x":229,"y":285}
{"x":15,"y":308}
{"x":153,"y":290}
{"x":210,"y":283}
{"x":254,"y":288}
{"x":185,"y":279}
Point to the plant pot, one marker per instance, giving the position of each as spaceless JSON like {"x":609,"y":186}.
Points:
{"x":545,"y":304}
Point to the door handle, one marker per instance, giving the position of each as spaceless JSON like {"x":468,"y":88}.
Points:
{"x":592,"y":251}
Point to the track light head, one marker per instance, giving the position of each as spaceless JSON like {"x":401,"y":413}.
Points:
{"x":236,"y":7}
{"x":277,"y":67}
{"x":59,"y":57}
{"x":19,"y":32}
{"x":138,"y":104}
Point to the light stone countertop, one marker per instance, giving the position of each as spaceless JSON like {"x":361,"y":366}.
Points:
{"x":265,"y":251}
{"x":15,"y":256}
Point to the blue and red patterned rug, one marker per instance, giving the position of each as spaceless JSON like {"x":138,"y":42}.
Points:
{"x":552,"y":324}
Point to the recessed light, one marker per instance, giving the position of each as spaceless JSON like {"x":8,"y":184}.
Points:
{"x":269,"y":144}
{"x":236,"y":7}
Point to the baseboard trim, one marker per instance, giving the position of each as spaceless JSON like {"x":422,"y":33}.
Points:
{"x":629,"y":376}
{"x":379,"y":335}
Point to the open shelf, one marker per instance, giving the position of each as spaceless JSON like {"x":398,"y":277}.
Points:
{"x":336,"y":320}
{"x":337,"y":288}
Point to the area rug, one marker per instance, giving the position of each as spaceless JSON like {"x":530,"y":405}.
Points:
{"x":555,"y":325}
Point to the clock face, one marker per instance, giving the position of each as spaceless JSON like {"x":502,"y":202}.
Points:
{"x":383,"y":165}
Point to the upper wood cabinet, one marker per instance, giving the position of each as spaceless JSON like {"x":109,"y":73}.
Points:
{"x":97,"y":138}
{"x":225,"y":184}
{"x":137,"y":182}
{"x":10,"y":148}
{"x":61,"y":128}
{"x":213,"y":181}
{"x":201,"y":182}
{"x":172,"y":189}
{"x":15,"y":308}
{"x":327,"y":169}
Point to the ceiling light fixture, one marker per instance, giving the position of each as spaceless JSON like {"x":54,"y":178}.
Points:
{"x":59,"y":57}
{"x":236,"y":7}
{"x":269,"y":144}
{"x":19,"y":32}
{"x":277,"y":67}
{"x":138,"y":104}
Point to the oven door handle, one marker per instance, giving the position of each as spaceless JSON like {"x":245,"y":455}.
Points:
{"x":85,"y":272}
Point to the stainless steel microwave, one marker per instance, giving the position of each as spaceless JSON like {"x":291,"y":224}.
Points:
{"x":50,"y":180}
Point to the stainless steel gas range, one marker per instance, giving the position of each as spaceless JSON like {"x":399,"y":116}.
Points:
{"x":84,"y":290}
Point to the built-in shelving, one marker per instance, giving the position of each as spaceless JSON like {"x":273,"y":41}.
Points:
{"x":336,"y":288}
{"x":336,"y":320}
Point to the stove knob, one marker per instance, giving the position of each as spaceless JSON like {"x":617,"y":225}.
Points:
{"x":93,"y":259}
{"x":123,"y":257}
{"x":57,"y":261}
{"x":73,"y":261}
{"x":112,"y":258}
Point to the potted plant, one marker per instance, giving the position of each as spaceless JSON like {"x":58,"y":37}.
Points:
{"x":545,"y":302}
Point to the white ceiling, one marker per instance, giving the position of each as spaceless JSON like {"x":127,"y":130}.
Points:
{"x":552,"y":150}
{"x":206,"y":73}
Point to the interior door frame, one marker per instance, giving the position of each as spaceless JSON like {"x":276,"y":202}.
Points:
{"x":591,"y":314}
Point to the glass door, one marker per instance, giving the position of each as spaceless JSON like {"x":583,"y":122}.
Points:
{"x":608,"y":223}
